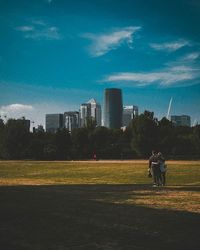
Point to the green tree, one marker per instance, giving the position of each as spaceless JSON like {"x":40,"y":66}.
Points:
{"x":80,"y":142}
{"x":50,"y":152}
{"x":144,"y":134}
{"x":90,"y":124}
{"x":196,"y":139}
{"x":166,"y":136}
{"x":125,"y":144}
{"x":15,"y":140}
{"x":2,"y":128}
{"x":63,"y":144}
{"x":37,"y":144}
{"x":105,"y":142}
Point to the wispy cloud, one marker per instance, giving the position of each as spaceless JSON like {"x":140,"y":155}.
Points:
{"x":103,"y":43}
{"x":191,"y":56}
{"x":166,"y":77}
{"x":189,"y":60}
{"x":170,"y":46}
{"x":39,"y":30}
{"x":25,"y":28}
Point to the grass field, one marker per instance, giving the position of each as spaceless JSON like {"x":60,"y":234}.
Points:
{"x":98,"y":205}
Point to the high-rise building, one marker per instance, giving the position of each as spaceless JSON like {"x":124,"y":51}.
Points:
{"x":181,"y":120}
{"x":113,"y":108}
{"x":129,"y":113}
{"x":85,"y":113}
{"x":71,"y":120}
{"x":88,"y":110}
{"x":54,"y":122}
{"x":95,"y":111}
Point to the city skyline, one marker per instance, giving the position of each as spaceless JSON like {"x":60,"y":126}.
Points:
{"x":55,"y":55}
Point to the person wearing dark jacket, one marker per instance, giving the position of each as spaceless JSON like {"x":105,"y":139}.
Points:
{"x":155,"y":169}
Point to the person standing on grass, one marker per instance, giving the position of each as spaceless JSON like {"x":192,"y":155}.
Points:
{"x":154,"y":168}
{"x":163,"y":168}
{"x":94,"y":157}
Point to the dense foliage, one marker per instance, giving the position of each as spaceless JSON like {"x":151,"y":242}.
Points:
{"x":144,"y":133}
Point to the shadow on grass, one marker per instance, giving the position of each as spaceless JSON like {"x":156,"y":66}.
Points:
{"x":78,"y":217}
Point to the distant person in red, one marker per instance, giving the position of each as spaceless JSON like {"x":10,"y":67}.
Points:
{"x":94,"y":157}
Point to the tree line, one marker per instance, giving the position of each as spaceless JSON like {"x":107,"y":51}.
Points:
{"x":144,"y":134}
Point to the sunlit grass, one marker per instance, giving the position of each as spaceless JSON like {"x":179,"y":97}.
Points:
{"x":23,"y":172}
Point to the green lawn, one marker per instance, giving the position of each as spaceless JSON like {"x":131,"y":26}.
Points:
{"x":98,"y":205}
{"x":127,"y":172}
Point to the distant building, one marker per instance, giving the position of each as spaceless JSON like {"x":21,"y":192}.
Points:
{"x":95,"y":111}
{"x":181,"y":120}
{"x":54,"y":122}
{"x":85,"y":113}
{"x":113,"y":108}
{"x":71,"y":120}
{"x":129,"y":113}
{"x":88,"y":110}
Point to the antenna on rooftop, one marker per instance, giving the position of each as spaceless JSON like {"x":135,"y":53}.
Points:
{"x":169,"y":108}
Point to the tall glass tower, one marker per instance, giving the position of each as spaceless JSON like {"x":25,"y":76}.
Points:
{"x":54,"y":122}
{"x":113,"y":108}
{"x":129,"y":113}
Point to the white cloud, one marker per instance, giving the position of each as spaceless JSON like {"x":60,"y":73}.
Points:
{"x":170,"y":46}
{"x":39,"y":30}
{"x":103,"y":43}
{"x":166,"y":77}
{"x":188,"y":60}
{"x":16,"y":110}
{"x":49,"y":33}
{"x":16,"y":107}
{"x":25,"y":28}
{"x":192,"y":56}
{"x":39,"y":22}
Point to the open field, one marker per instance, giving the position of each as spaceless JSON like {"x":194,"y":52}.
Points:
{"x":98,"y":205}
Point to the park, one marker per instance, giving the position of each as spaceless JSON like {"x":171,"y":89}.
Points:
{"x":105,"y":204}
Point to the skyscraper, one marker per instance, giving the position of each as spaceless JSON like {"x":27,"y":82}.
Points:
{"x":88,"y":110}
{"x":85,"y":113}
{"x":95,"y":111}
{"x":71,"y":120}
{"x":129,"y":113}
{"x":54,"y":122}
{"x":113,"y":108}
{"x":181,"y":120}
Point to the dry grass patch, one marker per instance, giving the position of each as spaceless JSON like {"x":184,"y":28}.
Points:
{"x":175,"y":200}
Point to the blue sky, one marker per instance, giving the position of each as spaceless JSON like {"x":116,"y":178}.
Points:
{"x":56,"y":54}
